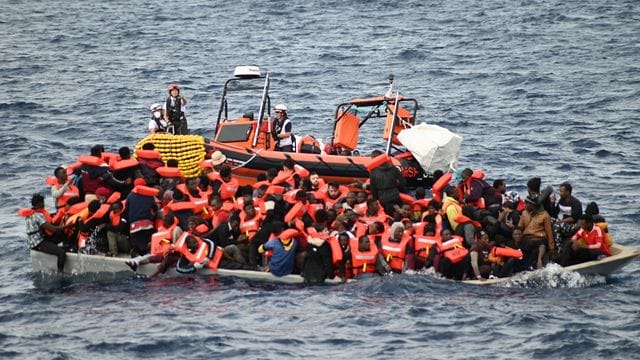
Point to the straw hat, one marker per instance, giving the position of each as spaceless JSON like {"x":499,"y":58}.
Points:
{"x":218,"y":158}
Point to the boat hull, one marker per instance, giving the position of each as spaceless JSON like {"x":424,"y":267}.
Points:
{"x":248,"y":163}
{"x":621,"y":256}
{"x":102,"y":267}
{"x":115,"y":268}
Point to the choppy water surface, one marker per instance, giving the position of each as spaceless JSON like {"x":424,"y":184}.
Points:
{"x":536,"y":88}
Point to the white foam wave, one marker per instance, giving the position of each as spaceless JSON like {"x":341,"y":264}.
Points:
{"x":553,"y":276}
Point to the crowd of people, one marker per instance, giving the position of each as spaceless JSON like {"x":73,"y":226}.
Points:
{"x":292,"y":221}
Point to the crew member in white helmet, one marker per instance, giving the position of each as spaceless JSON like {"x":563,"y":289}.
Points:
{"x":282,"y":130}
{"x":157,"y":122}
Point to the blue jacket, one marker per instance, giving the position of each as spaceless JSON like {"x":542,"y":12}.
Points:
{"x":283,"y":260}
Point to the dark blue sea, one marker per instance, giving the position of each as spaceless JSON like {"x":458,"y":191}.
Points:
{"x":536,"y":88}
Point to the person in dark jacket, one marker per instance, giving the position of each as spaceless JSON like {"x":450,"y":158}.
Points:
{"x":386,"y":184}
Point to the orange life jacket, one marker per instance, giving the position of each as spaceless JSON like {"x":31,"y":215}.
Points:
{"x":162,"y":240}
{"x":296,"y":211}
{"x":146,"y":191}
{"x":394,"y":252}
{"x":251,"y":226}
{"x":453,"y":249}
{"x":228,"y":189}
{"x":72,"y":191}
{"x":363,"y":261}
{"x":123,"y":164}
{"x":506,"y":252}
{"x":423,"y":244}
{"x":169,"y":172}
{"x":462,"y":219}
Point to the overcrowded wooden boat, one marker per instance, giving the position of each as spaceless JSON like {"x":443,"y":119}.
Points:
{"x":113,"y":267}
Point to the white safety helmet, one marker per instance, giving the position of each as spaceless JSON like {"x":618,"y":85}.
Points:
{"x":281,"y":107}
{"x":155,"y":107}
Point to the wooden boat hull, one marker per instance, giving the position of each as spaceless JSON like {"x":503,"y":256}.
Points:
{"x":102,"y":267}
{"x":248,"y":163}
{"x":621,"y":256}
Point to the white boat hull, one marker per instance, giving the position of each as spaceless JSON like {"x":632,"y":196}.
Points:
{"x":115,"y":268}
{"x":103,"y":267}
{"x":620,"y":257}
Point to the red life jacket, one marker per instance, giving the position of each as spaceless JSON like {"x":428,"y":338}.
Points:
{"x":363,"y":261}
{"x":394,"y":252}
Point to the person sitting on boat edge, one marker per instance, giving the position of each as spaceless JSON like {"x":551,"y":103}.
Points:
{"x":174,"y":110}
{"x":587,"y":244}
{"x":63,"y":187}
{"x":284,"y":246}
{"x":42,"y":235}
{"x":535,"y":224}
{"x":157,"y":123}
{"x":283,"y":130}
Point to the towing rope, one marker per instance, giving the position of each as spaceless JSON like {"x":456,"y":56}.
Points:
{"x":189,"y":150}
{"x":248,"y":161}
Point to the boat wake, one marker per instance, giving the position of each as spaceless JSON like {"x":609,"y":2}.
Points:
{"x":553,"y":276}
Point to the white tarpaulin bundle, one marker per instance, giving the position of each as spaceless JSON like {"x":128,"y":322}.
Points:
{"x":434,"y":147}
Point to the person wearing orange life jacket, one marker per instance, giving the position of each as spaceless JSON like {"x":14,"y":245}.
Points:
{"x":192,"y":191}
{"x":477,"y":192}
{"x":316,"y":181}
{"x":452,"y":210}
{"x":95,"y":173}
{"x":350,"y":201}
{"x":286,"y":176}
{"x":126,"y":169}
{"x":587,"y":244}
{"x":365,"y":257}
{"x":225,"y":186}
{"x":397,"y":248}
{"x":343,"y":267}
{"x":142,"y":212}
{"x":42,"y":235}
{"x":117,"y":230}
{"x":219,"y":213}
{"x":62,"y":187}
{"x":335,"y":193}
{"x":92,"y":227}
{"x":250,"y":222}
{"x":318,"y":258}
{"x":181,"y":208}
{"x":449,"y":266}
